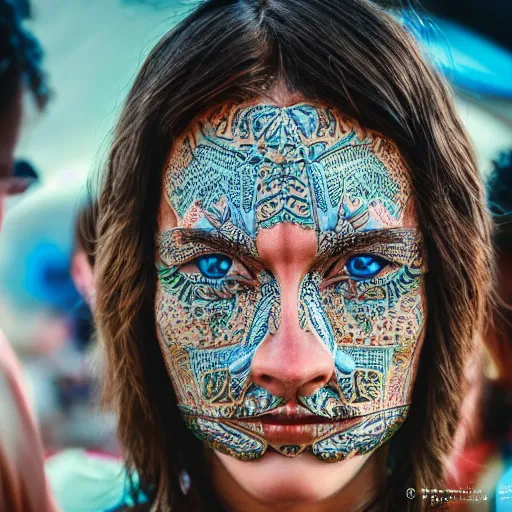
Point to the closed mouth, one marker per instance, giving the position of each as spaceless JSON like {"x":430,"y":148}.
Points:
{"x":291,"y":414}
{"x":293,"y":424}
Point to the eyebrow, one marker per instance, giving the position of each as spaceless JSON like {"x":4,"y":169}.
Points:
{"x":402,"y":245}
{"x":176,"y":246}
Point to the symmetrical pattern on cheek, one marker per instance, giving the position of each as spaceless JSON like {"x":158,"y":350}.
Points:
{"x":371,"y":327}
{"x":377,"y":324}
{"x":247,"y":168}
{"x":370,"y":433}
{"x":219,"y":326}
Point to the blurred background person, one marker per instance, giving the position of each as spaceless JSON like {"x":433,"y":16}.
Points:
{"x":499,"y":337}
{"x":485,"y":459}
{"x":23,"y":486}
{"x":71,"y":368}
{"x":95,"y":461}
{"x":496,"y":404}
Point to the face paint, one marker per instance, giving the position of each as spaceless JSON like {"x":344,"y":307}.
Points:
{"x":245,"y":168}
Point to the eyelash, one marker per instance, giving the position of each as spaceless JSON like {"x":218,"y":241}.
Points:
{"x":220,"y":283}
{"x":200,"y":279}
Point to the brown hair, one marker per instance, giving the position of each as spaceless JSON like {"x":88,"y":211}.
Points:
{"x":347,"y":53}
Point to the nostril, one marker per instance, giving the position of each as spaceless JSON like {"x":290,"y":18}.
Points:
{"x":266,"y":379}
{"x":317,"y":380}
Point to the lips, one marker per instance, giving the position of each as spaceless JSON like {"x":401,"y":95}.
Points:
{"x":293,"y":424}
{"x":289,"y":434}
{"x":292,"y":414}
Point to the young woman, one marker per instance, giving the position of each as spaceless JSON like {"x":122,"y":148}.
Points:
{"x":293,"y":260}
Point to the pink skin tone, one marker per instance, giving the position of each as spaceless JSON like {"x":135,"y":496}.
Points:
{"x":83,"y":278}
{"x":291,"y":363}
{"x":21,"y":453}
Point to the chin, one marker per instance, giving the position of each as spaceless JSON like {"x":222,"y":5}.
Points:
{"x":299,"y":480}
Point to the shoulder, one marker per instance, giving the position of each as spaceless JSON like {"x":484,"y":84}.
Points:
{"x":90,"y":482}
{"x":21,"y":453}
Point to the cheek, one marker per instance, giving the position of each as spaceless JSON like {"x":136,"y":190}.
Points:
{"x":195,"y":324}
{"x":386,"y":313}
{"x":198,"y":318}
{"x":170,"y":318}
{"x":380,"y":324}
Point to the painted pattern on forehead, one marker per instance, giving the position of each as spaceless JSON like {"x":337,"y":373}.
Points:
{"x":305,"y":164}
{"x":244,"y":168}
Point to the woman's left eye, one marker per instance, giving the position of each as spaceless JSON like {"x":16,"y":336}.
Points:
{"x":364,"y":266}
{"x":214,"y":266}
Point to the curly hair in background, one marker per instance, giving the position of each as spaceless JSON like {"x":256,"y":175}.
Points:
{"x":21,"y":56}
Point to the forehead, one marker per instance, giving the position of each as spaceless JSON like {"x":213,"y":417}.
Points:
{"x":256,"y":165}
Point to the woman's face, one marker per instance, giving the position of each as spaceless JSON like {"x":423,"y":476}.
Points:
{"x":289,"y":303}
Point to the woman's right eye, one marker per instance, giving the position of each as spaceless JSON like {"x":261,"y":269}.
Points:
{"x":211,"y":266}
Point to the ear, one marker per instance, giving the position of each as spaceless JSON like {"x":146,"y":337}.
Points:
{"x":82,"y":275}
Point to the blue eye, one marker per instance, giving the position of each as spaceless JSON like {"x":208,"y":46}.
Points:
{"x":214,"y":266}
{"x":365,"y":266}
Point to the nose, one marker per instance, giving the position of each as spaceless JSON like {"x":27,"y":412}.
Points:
{"x":292,"y":362}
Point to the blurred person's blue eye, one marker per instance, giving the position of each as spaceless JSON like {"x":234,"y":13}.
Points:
{"x":365,"y":266}
{"x":214,"y":266}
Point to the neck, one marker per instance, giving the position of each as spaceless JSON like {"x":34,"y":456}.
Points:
{"x":358,"y":495}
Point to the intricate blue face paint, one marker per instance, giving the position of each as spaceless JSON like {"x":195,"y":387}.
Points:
{"x":244,"y":168}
